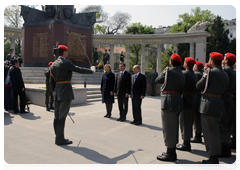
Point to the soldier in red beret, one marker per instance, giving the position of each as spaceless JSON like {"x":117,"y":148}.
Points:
{"x":198,"y":70}
{"x":186,"y":115}
{"x":48,"y":92}
{"x":61,"y":74}
{"x":228,"y":62}
{"x":206,"y":67}
{"x":213,"y":85}
{"x":171,"y":105}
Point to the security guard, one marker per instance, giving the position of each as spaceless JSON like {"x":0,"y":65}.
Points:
{"x":61,"y":74}
{"x":213,"y":84}
{"x":106,"y":57}
{"x":228,"y":62}
{"x":234,"y":121}
{"x":171,"y":105}
{"x":198,"y":70}
{"x":186,"y":115}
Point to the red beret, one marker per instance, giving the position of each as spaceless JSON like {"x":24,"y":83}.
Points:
{"x":217,"y":56}
{"x":95,"y":47}
{"x":199,"y":63}
{"x":105,"y":49}
{"x":231,"y":57}
{"x":63,"y":47}
{"x":176,"y":57}
{"x":50,"y":63}
{"x":207,"y":64}
{"x":190,"y":60}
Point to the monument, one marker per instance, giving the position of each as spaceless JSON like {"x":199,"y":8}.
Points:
{"x":42,"y":28}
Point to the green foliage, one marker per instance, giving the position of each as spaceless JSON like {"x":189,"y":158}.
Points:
{"x":232,"y":47}
{"x":166,"y":57}
{"x":98,"y":29}
{"x":218,"y":41}
{"x":6,"y":47}
{"x":151,"y":58}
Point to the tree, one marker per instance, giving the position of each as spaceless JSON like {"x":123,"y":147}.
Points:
{"x":232,"y":47}
{"x":166,"y":57}
{"x":135,"y":49}
{"x":185,"y":22}
{"x":101,"y":15}
{"x":218,"y":41}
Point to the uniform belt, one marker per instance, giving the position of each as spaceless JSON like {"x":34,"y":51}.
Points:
{"x":228,"y":92}
{"x":63,"y":82}
{"x":212,"y":95}
{"x":188,"y":92}
{"x":198,"y":91}
{"x":170,"y":91}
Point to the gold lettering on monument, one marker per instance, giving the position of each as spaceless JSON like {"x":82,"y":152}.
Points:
{"x":40,"y":44}
{"x":127,"y":40}
{"x":76,"y":49}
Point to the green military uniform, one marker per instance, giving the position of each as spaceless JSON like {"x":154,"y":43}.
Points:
{"x":197,"y":116}
{"x":171,"y":105}
{"x":153,"y":76}
{"x":186,"y":115}
{"x":61,"y":71}
{"x":214,"y":84}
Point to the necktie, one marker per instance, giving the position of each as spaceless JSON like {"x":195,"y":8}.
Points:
{"x":121,"y":76}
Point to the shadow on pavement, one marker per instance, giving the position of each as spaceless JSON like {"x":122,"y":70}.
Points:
{"x":7,"y":118}
{"x":30,"y":116}
{"x":98,"y":157}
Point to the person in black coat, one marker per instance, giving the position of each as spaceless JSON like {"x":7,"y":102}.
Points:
{"x":137,"y":94}
{"x":122,"y":90}
{"x":18,"y":87}
{"x":107,"y":88}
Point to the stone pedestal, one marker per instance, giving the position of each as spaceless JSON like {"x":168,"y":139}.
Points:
{"x":38,"y":42}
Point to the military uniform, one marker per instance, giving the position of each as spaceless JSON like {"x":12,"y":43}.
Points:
{"x":171,"y":105}
{"x":228,"y":103}
{"x":106,"y":57}
{"x":122,"y":57}
{"x":214,"y":84}
{"x":61,"y":74}
{"x":186,"y":115}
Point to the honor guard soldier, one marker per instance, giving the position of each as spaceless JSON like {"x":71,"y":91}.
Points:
{"x":61,"y":74}
{"x":234,"y":122}
{"x":186,"y":115}
{"x":206,"y":67}
{"x":106,"y":57}
{"x":95,"y":56}
{"x":171,"y":105}
{"x":228,"y":62}
{"x":198,"y":70}
{"x":213,"y":85}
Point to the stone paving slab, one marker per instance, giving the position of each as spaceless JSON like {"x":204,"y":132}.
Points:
{"x":29,"y":138}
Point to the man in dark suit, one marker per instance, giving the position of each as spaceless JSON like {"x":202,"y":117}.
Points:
{"x":61,"y":74}
{"x":171,"y":105}
{"x":214,"y":85}
{"x":138,"y":91}
{"x":18,"y":87}
{"x":122,"y":90}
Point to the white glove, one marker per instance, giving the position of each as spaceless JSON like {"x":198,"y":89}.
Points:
{"x":93,"y":69}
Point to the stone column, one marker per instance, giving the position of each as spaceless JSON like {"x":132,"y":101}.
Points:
{"x":112,"y":55}
{"x":175,"y":48}
{"x":159,"y":56}
{"x":201,"y":52}
{"x":143,"y":61}
{"x":12,"y":46}
{"x":127,"y":56}
{"x":192,"y":50}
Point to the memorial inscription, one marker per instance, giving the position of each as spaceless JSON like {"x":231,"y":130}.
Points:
{"x":40,"y":44}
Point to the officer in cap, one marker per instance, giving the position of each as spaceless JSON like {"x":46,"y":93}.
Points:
{"x":234,"y":121}
{"x":171,"y":105}
{"x":198,"y":70}
{"x":228,"y":62}
{"x":106,"y":57}
{"x":213,"y":85}
{"x":61,"y":74}
{"x":186,"y":115}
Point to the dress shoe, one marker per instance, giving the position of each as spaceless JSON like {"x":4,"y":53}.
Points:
{"x":51,"y":107}
{"x":138,"y":123}
{"x":108,"y":116}
{"x":186,"y":146}
{"x":197,"y":138}
{"x":132,"y":122}
{"x":63,"y":142}
{"x":118,"y":119}
{"x":170,"y":155}
{"x":123,"y":120}
{"x":211,"y":160}
{"x":22,"y":112}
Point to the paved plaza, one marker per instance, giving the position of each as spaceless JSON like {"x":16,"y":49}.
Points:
{"x":29,"y":138}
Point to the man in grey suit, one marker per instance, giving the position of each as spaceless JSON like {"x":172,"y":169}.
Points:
{"x":171,"y":105}
{"x":213,"y":84}
{"x":61,"y":74}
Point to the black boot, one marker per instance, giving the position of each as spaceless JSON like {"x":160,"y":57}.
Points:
{"x":225,"y":151}
{"x":170,"y":155}
{"x":233,"y":142}
{"x":47,"y":108}
{"x":186,"y":146}
{"x":212,"y":163}
{"x":60,"y":140}
{"x":51,"y":107}
{"x":197,"y":138}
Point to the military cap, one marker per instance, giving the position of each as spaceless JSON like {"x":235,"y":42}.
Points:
{"x":63,"y":47}
{"x":105,"y":49}
{"x":199,"y":63}
{"x":216,"y":55}
{"x":190,"y":60}
{"x":231,"y":57}
{"x":95,"y":47}
{"x":176,"y":57}
{"x":50,"y":63}
{"x":207,"y":64}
